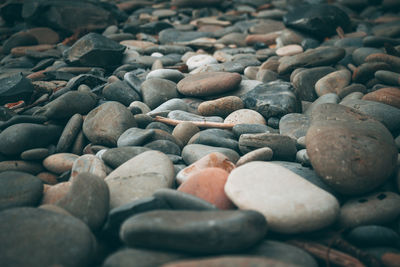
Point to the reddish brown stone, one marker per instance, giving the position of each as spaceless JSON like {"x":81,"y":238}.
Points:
{"x":220,"y":107}
{"x":388,"y":95}
{"x":54,"y":193}
{"x":208,"y":184}
{"x":44,"y":35}
{"x":391,"y":259}
{"x":267,"y":39}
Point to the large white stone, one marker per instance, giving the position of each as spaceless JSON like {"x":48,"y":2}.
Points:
{"x":290,"y":203}
{"x":140,"y":177}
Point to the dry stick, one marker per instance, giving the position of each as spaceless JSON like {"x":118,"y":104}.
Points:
{"x":325,"y":253}
{"x":204,"y":124}
{"x":361,"y":255}
{"x":340,"y":32}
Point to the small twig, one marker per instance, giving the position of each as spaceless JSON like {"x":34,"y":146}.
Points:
{"x":204,"y":124}
{"x":325,"y":253}
{"x":340,"y":32}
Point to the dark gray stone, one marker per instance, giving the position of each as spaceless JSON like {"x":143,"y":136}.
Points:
{"x":15,"y":88}
{"x":121,"y":92}
{"x":373,"y":236}
{"x":115,"y":157}
{"x":195,"y":231}
{"x":178,"y":200}
{"x":164,"y":146}
{"x":38,"y":237}
{"x":19,"y":189}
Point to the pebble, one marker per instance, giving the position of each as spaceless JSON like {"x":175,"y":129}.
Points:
{"x":135,"y":137}
{"x":283,"y":146}
{"x":212,"y":160}
{"x":234,"y":230}
{"x":88,"y":164}
{"x":60,"y":162}
{"x":140,"y":177}
{"x":35,"y":154}
{"x":87,"y":200}
{"x":75,"y":247}
{"x":245,"y":116}
{"x":374,"y":236}
{"x":387,"y":95}
{"x":105,"y":124}
{"x":273,"y":99}
{"x":208,"y":184}
{"x":19,"y":189}
{"x":256,"y":186}
{"x":333,"y":82}
{"x":194,"y":152}
{"x":221,"y":107}
{"x":156,"y":91}
{"x":337,"y":132}
{"x":375,"y":208}
{"x":25,"y":136}
{"x":184,"y":131}
{"x":71,"y":130}
{"x":120,"y":91}
{"x":197,"y":61}
{"x":208,"y":84}
{"x":178,"y":200}
{"x":260,"y":154}
{"x":167,"y":74}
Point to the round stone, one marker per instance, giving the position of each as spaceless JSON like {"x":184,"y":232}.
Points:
{"x":245,"y":116}
{"x":289,"y":50}
{"x":199,"y":61}
{"x":156,"y":91}
{"x":60,"y":162}
{"x":184,"y":131}
{"x":261,"y":154}
{"x":104,"y":124}
{"x":333,"y":82}
{"x":362,"y":147}
{"x":286,"y":199}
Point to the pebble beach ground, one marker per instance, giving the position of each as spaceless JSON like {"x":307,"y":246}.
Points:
{"x":200,"y":133}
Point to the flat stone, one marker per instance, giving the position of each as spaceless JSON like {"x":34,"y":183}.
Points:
{"x":60,"y":162}
{"x":289,"y":50}
{"x":324,"y":99}
{"x":215,"y":137}
{"x":156,"y":91}
{"x":246,"y":128}
{"x":256,"y":186}
{"x":88,"y":164}
{"x":208,"y":184}
{"x":366,"y":71}
{"x":24,"y":136}
{"x":105,"y":124}
{"x":363,"y":147}
{"x":87,"y":200}
{"x":373,"y":236}
{"x":311,"y":58}
{"x":19,"y":189}
{"x":35,"y":154}
{"x":134,"y":137}
{"x":354,"y":87}
{"x":260,"y":154}
{"x":294,"y":125}
{"x":305,"y":80}
{"x":209,"y":84}
{"x":95,"y":50}
{"x":178,"y":200}
{"x":171,"y":105}
{"x":115,"y":157}
{"x":221,"y":107}
{"x":273,"y":99}
{"x":67,"y":105}
{"x":187,"y":116}
{"x":165,"y":146}
{"x":234,"y":230}
{"x":245,"y":116}
{"x":388,"y":95}
{"x":283,"y":147}
{"x":75,"y":247}
{"x":140,"y":177}
{"x":375,"y":208}
{"x":194,"y":152}
{"x":333,"y":82}
{"x":120,"y":91}
{"x":71,"y":130}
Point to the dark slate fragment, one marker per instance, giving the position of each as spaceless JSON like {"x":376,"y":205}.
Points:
{"x":15,"y":88}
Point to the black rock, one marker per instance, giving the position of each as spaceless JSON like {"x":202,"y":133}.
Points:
{"x":15,"y":88}
{"x":95,"y":50}
{"x":319,"y":20}
{"x":273,"y":99}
